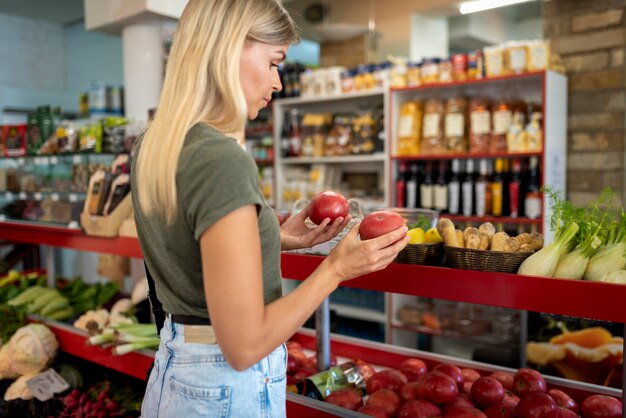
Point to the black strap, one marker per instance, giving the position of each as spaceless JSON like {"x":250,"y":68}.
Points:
{"x":155,"y":303}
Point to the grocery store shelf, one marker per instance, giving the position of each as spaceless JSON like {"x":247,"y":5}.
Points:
{"x":339,"y":160}
{"x":355,"y":312}
{"x":465,"y":156}
{"x":30,"y":233}
{"x":470,"y":82}
{"x":74,"y":341}
{"x":54,"y":196}
{"x":296,"y":101}
{"x":584,"y":299}
{"x":493,"y":219}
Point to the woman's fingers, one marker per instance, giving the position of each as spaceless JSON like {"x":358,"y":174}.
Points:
{"x":389,"y":238}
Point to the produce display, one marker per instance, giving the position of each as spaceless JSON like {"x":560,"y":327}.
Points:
{"x":420,"y":389}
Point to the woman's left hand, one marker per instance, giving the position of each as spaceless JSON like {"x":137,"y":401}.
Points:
{"x":294,"y":234}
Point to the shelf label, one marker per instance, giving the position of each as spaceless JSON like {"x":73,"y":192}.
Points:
{"x":37,"y":196}
{"x":8,"y":196}
{"x":20,"y":161}
{"x":73,"y":197}
{"x":37,"y":161}
{"x":76,"y":159}
{"x":46,"y":384}
{"x":22,"y":196}
{"x":3,"y":218}
{"x":54,"y":197}
{"x":54,"y":160}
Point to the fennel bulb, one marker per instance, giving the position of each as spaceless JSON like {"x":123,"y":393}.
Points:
{"x":544,"y":261}
{"x":606,"y":260}
{"x":573,"y":265}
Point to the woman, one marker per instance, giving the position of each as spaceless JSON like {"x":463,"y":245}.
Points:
{"x":209,"y":239}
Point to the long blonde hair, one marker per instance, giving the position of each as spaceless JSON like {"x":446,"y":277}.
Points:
{"x":202,"y":85}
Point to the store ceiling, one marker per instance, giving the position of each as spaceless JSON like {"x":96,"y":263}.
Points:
{"x":60,"y":12}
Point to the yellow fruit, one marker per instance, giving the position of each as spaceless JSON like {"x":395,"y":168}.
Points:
{"x":432,"y":235}
{"x":416,"y":236}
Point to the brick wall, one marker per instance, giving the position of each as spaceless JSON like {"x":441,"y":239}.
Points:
{"x":590,"y":36}
{"x":348,"y":53}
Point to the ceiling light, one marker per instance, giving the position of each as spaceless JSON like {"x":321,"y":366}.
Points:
{"x":480,"y":5}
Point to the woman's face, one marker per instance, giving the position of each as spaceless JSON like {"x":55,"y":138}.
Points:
{"x":258,"y":73}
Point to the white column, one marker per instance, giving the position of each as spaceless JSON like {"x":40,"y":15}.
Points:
{"x":143,"y":68}
{"x":429,"y":37}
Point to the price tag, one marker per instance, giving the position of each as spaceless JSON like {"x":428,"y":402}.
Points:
{"x":46,"y":384}
{"x":54,"y":160}
{"x":76,"y":159}
{"x":54,"y":197}
{"x":20,"y":161}
{"x":8,"y":196}
{"x":22,"y":196}
{"x":37,"y":196}
{"x":73,"y":197}
{"x":3,"y":218}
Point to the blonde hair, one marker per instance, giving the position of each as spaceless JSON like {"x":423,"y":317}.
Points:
{"x":202,"y":85}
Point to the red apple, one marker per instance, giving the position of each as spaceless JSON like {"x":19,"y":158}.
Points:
{"x":413,"y":368}
{"x":510,"y":399}
{"x":298,"y":356}
{"x":386,"y":400}
{"x":408,"y":392}
{"x":601,"y":406}
{"x":328,"y":205}
{"x":304,"y":372}
{"x":380,"y":223}
{"x":469,"y":375}
{"x":386,"y":379}
{"x":459,"y":402}
{"x":311,"y":361}
{"x":345,"y":398}
{"x":527,"y":381}
{"x":419,"y":408}
{"x":562,"y":412}
{"x":563,"y":399}
{"x":465,"y":413}
{"x":467,"y":387}
{"x":291,"y":380}
{"x":536,"y":405}
{"x":293,"y":345}
{"x":373,"y":411}
{"x":292,"y":364}
{"x":437,"y":388}
{"x":451,"y":370}
{"x":500,"y":411}
{"x":487,"y":391}
{"x":505,"y":378}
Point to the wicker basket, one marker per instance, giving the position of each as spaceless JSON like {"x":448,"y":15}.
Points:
{"x":471,"y":259}
{"x":425,"y":254}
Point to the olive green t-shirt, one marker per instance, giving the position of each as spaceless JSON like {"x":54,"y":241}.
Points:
{"x":215,"y":176}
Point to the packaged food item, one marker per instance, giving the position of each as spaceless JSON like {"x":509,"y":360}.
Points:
{"x":538,"y":55}
{"x":381,"y":75}
{"x":459,"y":67}
{"x":432,"y":127}
{"x":364,"y":141}
{"x":306,"y":83}
{"x":516,"y":58}
{"x":455,"y":125}
{"x":314,"y":130}
{"x":90,"y":137}
{"x":351,"y":375}
{"x":429,"y":71}
{"x":398,"y":74}
{"x":534,"y":133}
{"x":494,"y":61}
{"x":99,"y":185}
{"x":413,"y":78}
{"x":480,"y":126}
{"x":333,"y":80}
{"x":516,"y":136}
{"x":409,"y":128}
{"x":67,"y":138}
{"x":445,"y":71}
{"x":339,"y":139}
{"x":475,"y":65}
{"x":502,"y":119}
{"x":14,"y":140}
{"x":364,"y":79}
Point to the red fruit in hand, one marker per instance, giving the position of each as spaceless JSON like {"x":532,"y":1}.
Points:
{"x":527,"y":381}
{"x":328,"y":205}
{"x":386,"y":400}
{"x":413,"y":368}
{"x":380,"y":223}
{"x":601,"y":406}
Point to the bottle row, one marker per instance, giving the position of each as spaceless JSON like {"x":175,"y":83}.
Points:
{"x":483,"y":187}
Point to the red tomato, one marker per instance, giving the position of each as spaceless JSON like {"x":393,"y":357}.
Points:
{"x":328,"y":205}
{"x":380,"y":223}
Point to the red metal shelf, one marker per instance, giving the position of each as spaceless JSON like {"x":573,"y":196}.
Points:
{"x":74,"y":341}
{"x":597,"y":300}
{"x":470,"y":82}
{"x":68,"y":238}
{"x":465,"y":156}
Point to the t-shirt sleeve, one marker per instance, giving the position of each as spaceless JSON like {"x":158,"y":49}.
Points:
{"x":213,"y":180}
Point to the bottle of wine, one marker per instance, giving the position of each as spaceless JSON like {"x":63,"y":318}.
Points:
{"x":480,"y":188}
{"x":440,"y":189}
{"x":412,"y":190}
{"x":467,"y":189}
{"x":532,"y":201}
{"x":401,"y":186}
{"x":426,"y":188}
{"x":454,"y":189}
{"x":515,"y":188}
{"x":497,"y":186}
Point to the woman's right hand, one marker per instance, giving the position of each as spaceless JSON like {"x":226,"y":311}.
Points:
{"x":352,"y":257}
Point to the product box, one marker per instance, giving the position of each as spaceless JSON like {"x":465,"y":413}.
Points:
{"x":107,"y":226}
{"x":14,"y":140}
{"x":128,"y":227}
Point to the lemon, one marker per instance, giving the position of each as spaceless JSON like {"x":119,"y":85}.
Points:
{"x":416,"y":236}
{"x":432,"y":235}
